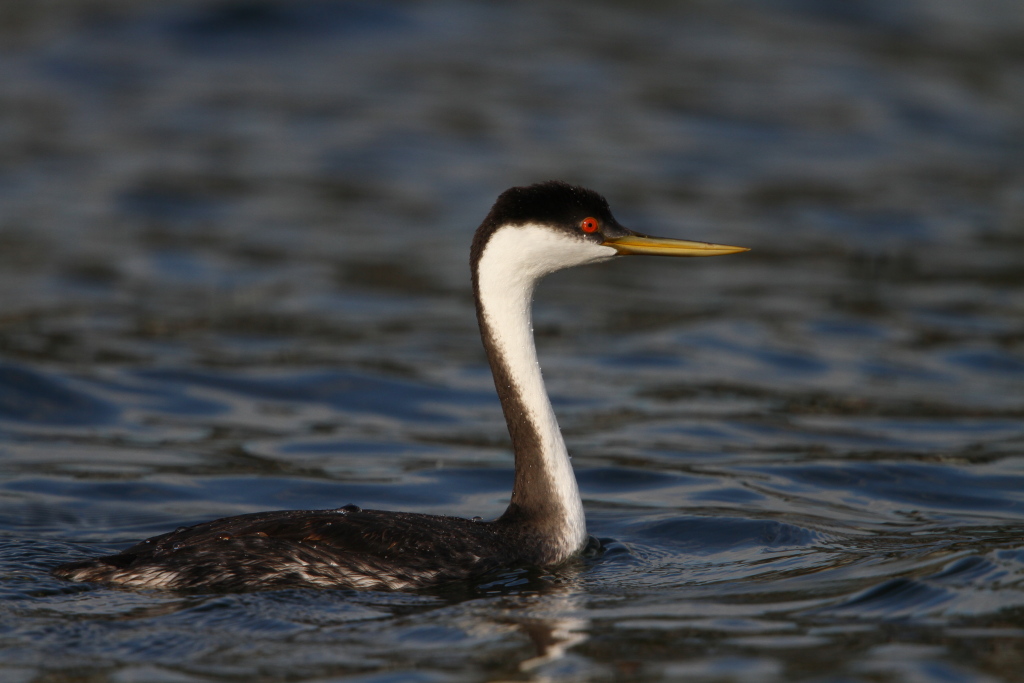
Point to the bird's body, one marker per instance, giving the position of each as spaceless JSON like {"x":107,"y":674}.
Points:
{"x":529,"y":233}
{"x":347,"y":547}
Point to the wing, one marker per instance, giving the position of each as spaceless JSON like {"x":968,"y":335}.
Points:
{"x":344,"y":548}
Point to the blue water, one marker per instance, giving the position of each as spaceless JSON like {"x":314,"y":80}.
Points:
{"x":233,"y":277}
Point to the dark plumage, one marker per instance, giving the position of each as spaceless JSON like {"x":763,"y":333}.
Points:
{"x":343,"y":548}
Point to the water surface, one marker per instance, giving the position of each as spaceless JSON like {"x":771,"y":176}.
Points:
{"x":233,"y":277}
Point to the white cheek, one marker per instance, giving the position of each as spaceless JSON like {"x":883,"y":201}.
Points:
{"x":534,"y":251}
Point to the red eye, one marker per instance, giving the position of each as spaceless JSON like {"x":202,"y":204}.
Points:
{"x":589,"y":224}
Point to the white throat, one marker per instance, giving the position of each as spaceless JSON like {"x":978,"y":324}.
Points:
{"x":514,"y":259}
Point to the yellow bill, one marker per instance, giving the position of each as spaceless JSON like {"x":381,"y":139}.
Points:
{"x":662,"y":246}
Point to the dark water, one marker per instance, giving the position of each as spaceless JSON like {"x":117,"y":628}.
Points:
{"x":233,"y":245}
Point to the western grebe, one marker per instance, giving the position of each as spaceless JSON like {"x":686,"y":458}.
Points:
{"x":530,"y":232}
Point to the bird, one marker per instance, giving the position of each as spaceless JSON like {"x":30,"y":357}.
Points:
{"x":530,"y":231}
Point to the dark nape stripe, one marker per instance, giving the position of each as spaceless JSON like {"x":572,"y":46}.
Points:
{"x":526,"y":440}
{"x":533,"y":519}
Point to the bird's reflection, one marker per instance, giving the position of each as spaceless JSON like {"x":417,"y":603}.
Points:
{"x":547,"y":612}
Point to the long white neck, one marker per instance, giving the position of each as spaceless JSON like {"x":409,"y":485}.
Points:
{"x":514,"y":259}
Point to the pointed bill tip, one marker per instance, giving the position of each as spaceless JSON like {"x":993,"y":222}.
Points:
{"x":662,"y":246}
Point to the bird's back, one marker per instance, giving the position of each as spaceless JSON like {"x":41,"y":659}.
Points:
{"x":343,"y":548}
